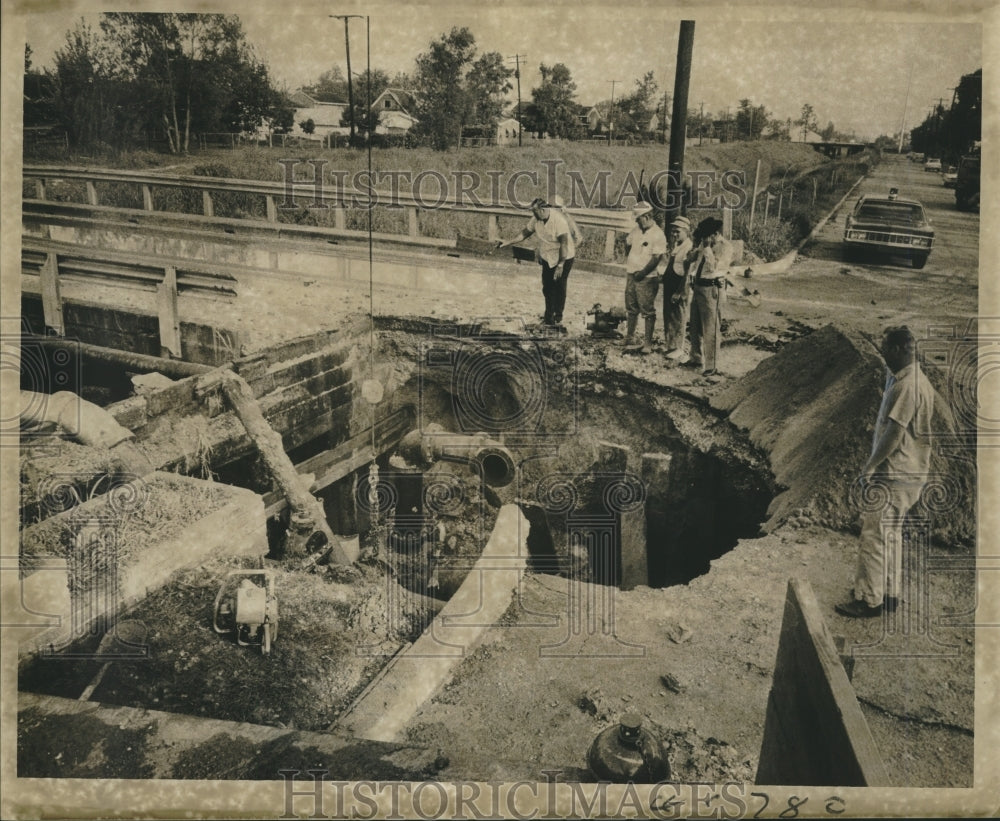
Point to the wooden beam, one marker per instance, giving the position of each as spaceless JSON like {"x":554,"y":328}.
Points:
{"x":92,"y":193}
{"x":336,"y":463}
{"x":814,"y":732}
{"x":207,"y":207}
{"x":51,"y":299}
{"x":166,"y":312}
{"x":147,"y":198}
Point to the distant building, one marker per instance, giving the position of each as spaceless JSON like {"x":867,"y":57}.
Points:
{"x":324,"y":110}
{"x":507,"y":131}
{"x":395,"y":107}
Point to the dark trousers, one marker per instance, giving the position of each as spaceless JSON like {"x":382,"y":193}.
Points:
{"x":554,"y":291}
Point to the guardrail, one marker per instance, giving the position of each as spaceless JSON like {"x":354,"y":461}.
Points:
{"x":278,"y":195}
{"x":50,"y":261}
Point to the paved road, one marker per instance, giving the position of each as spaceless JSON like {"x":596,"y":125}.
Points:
{"x":956,"y":234}
{"x":823,"y":286}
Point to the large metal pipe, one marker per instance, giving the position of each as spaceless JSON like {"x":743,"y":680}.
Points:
{"x":487,"y":456}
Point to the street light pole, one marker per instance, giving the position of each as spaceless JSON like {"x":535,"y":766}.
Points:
{"x":350,"y":83}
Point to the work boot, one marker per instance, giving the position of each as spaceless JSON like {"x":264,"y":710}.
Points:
{"x":630,"y":332}
{"x":647,"y":344}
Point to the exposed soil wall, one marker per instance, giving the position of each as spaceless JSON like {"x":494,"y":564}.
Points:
{"x":813,"y":406}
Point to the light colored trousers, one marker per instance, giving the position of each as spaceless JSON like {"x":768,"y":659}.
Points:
{"x":880,"y":555}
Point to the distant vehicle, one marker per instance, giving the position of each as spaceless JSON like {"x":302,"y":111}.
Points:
{"x":949,"y":176}
{"x":967,"y":183}
{"x":917,"y":157}
{"x":889,"y":226}
{"x":932,"y":165}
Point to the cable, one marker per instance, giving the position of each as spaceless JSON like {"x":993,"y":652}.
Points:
{"x":371,"y":207}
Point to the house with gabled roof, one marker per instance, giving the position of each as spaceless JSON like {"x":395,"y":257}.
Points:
{"x":395,"y":107}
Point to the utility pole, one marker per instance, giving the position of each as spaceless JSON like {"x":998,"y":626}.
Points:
{"x":906,"y":101}
{"x":701,"y":124}
{"x":517,"y":75}
{"x":611,"y":113}
{"x":678,"y":123}
{"x":665,"y":98}
{"x":350,"y":82}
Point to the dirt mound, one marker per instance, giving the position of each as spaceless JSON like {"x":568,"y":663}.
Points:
{"x":812,"y":407}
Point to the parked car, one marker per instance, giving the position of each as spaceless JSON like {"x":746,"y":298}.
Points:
{"x":915,"y":157}
{"x":949,"y":176}
{"x":932,"y":165}
{"x":967,"y":183}
{"x":889,"y":226}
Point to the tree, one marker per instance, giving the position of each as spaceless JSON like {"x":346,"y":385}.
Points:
{"x":281,"y":114}
{"x":332,"y":84}
{"x":700,"y":125}
{"x":634,"y":112}
{"x":750,"y":120}
{"x":89,"y":100}
{"x":308,"y":126}
{"x":365,"y":119}
{"x":553,"y":109}
{"x":38,"y":94}
{"x":456,"y":88}
{"x":198,"y":70}
{"x":807,"y":120}
{"x":487,"y":82}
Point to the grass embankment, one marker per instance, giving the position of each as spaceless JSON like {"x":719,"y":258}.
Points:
{"x":583,"y":173}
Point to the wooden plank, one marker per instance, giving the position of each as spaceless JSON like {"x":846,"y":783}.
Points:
{"x":634,"y":559}
{"x":92,"y":193}
{"x":51,"y":300}
{"x":166,"y":311}
{"x":339,"y":218}
{"x":207,"y":208}
{"x":492,"y":232}
{"x":272,"y":210}
{"x":609,"y":244}
{"x":147,"y":198}
{"x":413,"y":222}
{"x":814,"y":732}
{"x":40,"y":188}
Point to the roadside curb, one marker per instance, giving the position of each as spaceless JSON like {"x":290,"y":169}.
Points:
{"x":782,"y":265}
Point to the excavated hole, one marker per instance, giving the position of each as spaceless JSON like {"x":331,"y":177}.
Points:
{"x":597,"y":453}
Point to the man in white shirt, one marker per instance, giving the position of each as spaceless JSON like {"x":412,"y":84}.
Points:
{"x":896,"y":472}
{"x":676,"y":288}
{"x":647,"y":248}
{"x":555,"y":252}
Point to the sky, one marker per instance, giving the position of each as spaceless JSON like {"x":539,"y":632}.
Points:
{"x":852,"y":66}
